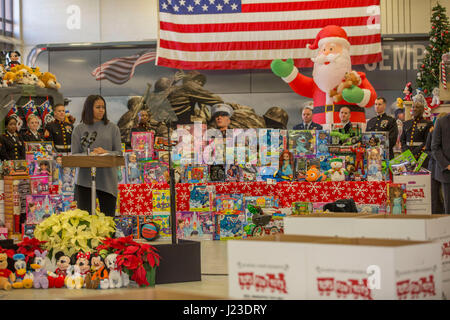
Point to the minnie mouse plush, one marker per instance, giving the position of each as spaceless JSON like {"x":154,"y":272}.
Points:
{"x":82,"y":261}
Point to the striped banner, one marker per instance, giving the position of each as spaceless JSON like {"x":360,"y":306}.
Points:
{"x":120,"y":70}
{"x":249,"y":34}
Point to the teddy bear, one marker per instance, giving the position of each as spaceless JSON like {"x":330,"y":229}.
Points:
{"x":49,"y":80}
{"x":350,"y":79}
{"x":6,"y":275}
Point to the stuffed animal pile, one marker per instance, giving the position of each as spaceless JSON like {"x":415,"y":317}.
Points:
{"x":81,"y":270}
{"x":22,"y":74}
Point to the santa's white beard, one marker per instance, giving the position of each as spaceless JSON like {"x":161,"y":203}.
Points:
{"x":328,"y":76}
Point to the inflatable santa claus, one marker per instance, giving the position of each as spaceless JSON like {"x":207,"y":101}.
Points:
{"x":331,"y":64}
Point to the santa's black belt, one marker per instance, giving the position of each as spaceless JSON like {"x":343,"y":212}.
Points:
{"x":337,"y":108}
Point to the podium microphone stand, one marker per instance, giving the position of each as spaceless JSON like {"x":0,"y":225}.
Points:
{"x":93,"y":162}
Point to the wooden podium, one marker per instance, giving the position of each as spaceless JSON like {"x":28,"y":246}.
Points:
{"x":93,"y":162}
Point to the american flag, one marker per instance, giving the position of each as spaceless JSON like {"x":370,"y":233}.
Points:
{"x":249,"y":34}
{"x":120,"y":70}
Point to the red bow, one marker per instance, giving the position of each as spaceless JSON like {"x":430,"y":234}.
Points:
{"x":86,"y":255}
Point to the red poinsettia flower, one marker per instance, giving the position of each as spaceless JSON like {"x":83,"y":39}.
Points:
{"x":139,"y":275}
{"x":130,"y":262}
{"x":28,"y":246}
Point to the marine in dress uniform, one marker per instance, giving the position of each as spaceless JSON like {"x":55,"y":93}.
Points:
{"x":60,"y":132}
{"x":28,"y":136}
{"x":388,"y":124}
{"x":414,"y":136}
{"x":12,"y":147}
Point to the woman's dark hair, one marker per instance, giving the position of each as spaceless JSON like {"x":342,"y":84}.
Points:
{"x":87,"y":115}
{"x":8,"y":119}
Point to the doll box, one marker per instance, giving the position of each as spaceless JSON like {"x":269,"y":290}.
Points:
{"x":3,"y":233}
{"x":418,"y":192}
{"x":306,"y":267}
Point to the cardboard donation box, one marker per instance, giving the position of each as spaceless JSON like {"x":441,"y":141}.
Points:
{"x":434,"y":227}
{"x":324,"y":224}
{"x":307,"y":267}
{"x":418,"y":192}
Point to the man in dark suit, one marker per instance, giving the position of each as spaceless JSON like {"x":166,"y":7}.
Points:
{"x":383,"y":122}
{"x":344,"y":115}
{"x":307,"y":124}
{"x":440,"y":146}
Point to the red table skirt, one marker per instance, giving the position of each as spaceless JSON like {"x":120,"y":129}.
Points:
{"x":136,"y":199}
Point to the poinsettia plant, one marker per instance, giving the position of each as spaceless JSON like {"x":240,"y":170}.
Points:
{"x":73,"y":231}
{"x":27,"y":247}
{"x":138,"y":260}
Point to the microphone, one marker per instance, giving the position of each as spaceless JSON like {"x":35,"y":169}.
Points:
{"x":92,"y":138}
{"x":84,"y":139}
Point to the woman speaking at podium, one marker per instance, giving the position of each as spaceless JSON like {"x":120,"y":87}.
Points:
{"x":102,"y":137}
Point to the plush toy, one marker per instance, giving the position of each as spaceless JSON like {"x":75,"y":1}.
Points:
{"x":337,"y":172}
{"x":49,"y":80}
{"x":408,"y":91}
{"x":56,"y":279}
{"x":6,"y":275}
{"x":40,"y":279}
{"x":314,"y":174}
{"x":331,"y":63}
{"x":2,"y":75}
{"x":98,"y":278}
{"x":350,"y":79}
{"x":9,"y":79}
{"x":82,"y":261}
{"x":117,"y":278}
{"x":435,"y":102}
{"x":23,"y":278}
{"x":400,"y":103}
{"x":74,"y":280}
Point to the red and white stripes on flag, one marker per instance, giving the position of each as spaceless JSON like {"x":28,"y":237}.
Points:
{"x":249,"y":34}
{"x":120,"y":70}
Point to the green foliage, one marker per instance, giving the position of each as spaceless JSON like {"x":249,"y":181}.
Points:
{"x":428,"y":75}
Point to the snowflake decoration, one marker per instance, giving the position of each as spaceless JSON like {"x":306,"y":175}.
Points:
{"x":371,"y":198}
{"x":129,"y":190}
{"x":184,"y":196}
{"x":313,"y":186}
{"x":325,"y":195}
{"x":292,"y":196}
{"x":257,"y":191}
{"x":246,"y":185}
{"x":359,"y":190}
{"x":337,"y":188}
{"x":314,"y":198}
{"x":148,"y":187}
{"x":291,"y":186}
{"x":140,"y":197}
{"x":301,"y":194}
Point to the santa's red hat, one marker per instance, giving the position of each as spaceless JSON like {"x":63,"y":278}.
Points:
{"x":328,"y":34}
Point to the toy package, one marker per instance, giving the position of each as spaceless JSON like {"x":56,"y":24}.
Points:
{"x":162,"y":156}
{"x":40,"y":184}
{"x":302,"y":143}
{"x":42,"y":150}
{"x":126,"y":226}
{"x":40,"y":207}
{"x":318,"y":207}
{"x":370,"y":208}
{"x":133,"y":168}
{"x":338,"y":137}
{"x":229,"y":203}
{"x":322,"y":142}
{"x":374,"y":164}
{"x":161,"y":144}
{"x":201,"y":198}
{"x":302,"y":208}
{"x":217,"y":173}
{"x":161,"y":201}
{"x":405,"y":161}
{"x":15,"y":168}
{"x":142,"y":141}
{"x":68,"y":202}
{"x":154,"y":171}
{"x":195,"y":173}
{"x":68,"y":181}
{"x":249,"y":172}
{"x":301,"y":166}
{"x":27,"y":231}
{"x":196,"y":132}
{"x":233,"y":173}
{"x":267,"y":173}
{"x":122,"y":175}
{"x":396,"y":198}
{"x":228,"y":226}
{"x":260,"y":201}
{"x":375,"y":139}
{"x":40,"y":167}
{"x":163,"y":222}
{"x":195,"y":225}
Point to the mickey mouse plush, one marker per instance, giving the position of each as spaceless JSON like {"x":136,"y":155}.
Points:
{"x":56,"y":280}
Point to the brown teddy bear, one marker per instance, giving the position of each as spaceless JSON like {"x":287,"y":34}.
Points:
{"x":6,"y":275}
{"x":350,"y":78}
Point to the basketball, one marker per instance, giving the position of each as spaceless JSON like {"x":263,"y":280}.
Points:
{"x":150,"y":231}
